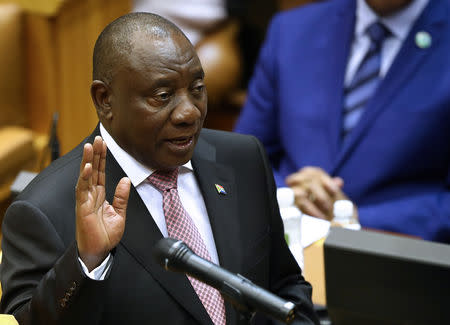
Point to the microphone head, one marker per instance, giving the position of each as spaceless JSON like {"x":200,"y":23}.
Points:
{"x":169,"y":251}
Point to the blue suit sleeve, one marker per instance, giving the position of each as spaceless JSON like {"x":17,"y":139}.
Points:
{"x":425,"y":215}
{"x":259,"y":116}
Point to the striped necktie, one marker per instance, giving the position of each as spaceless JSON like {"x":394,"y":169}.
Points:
{"x":180,"y":226}
{"x":365,"y":80}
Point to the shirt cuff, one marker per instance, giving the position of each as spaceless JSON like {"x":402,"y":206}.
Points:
{"x":100,"y":271}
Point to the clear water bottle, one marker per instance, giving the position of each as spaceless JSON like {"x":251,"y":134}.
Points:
{"x":292,"y":221}
{"x":343,"y":211}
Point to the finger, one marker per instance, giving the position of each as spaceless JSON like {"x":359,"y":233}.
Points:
{"x":121,"y":195}
{"x":305,"y":175}
{"x":320,"y":197}
{"x":330,"y":185}
{"x":310,"y":209}
{"x":87,"y":156}
{"x":102,"y":165}
{"x":302,"y":202}
{"x":83,"y":184}
{"x":97,"y":148}
{"x":296,"y":178}
{"x":299,"y":193}
{"x":341,"y":196}
{"x":339,"y":182}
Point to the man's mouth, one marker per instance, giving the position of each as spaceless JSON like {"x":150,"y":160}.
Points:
{"x":181,"y":143}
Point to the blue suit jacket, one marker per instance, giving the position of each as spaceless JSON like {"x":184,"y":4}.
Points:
{"x":395,"y":163}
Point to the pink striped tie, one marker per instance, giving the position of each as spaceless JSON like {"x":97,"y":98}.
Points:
{"x":180,"y":226}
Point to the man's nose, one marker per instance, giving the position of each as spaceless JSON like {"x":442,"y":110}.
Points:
{"x":186,"y":112}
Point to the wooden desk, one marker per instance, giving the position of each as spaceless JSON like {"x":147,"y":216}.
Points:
{"x":314,"y":271}
{"x":7,"y":320}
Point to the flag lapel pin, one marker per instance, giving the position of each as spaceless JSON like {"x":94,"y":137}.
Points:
{"x":220,"y":189}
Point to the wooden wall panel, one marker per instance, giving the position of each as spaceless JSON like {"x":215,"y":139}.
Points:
{"x":12,"y":103}
{"x":42,"y":66}
{"x":77,"y":26}
{"x":59,"y":62}
{"x":46,"y":7}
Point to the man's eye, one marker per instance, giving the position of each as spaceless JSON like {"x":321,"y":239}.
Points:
{"x":163,"y":96}
{"x":199,"y":88}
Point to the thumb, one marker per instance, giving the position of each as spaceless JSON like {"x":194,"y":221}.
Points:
{"x":339,"y":182}
{"x":121,"y":195}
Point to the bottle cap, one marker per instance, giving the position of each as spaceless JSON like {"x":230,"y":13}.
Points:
{"x":285,"y":197}
{"x":343,"y":209}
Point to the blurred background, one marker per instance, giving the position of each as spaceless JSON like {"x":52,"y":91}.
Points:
{"x":45,"y":68}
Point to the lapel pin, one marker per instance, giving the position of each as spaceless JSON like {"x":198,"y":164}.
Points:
{"x":220,"y":189}
{"x":423,"y":39}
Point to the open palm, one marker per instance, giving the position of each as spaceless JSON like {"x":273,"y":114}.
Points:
{"x":99,"y":224}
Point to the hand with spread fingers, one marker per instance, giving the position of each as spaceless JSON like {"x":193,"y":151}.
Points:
{"x":316,"y":191}
{"x":99,"y":225}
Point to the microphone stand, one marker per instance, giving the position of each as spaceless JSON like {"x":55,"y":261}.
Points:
{"x":234,"y":296}
{"x":245,"y":316}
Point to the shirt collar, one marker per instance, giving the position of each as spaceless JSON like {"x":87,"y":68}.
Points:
{"x":136,"y":172}
{"x":399,"y":24}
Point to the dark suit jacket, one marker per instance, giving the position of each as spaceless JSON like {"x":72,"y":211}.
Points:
{"x":396,"y":162}
{"x":40,"y":265}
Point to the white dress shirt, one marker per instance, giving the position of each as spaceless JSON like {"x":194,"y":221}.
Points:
{"x":399,"y":24}
{"x":188,"y":189}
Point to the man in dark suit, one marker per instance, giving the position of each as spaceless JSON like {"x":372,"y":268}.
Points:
{"x":77,"y":242}
{"x":335,"y":127}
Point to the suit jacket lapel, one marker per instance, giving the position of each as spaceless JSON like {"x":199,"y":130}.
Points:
{"x":338,"y":42}
{"x":222,"y":209}
{"x":141,"y":234}
{"x":329,"y":45}
{"x":403,"y":67}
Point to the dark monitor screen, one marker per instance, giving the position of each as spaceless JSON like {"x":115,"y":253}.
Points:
{"x":382,"y":279}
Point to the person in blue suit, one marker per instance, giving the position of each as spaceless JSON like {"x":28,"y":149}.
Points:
{"x":392,"y":160}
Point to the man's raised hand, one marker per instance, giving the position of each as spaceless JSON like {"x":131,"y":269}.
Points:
{"x":99,"y":225}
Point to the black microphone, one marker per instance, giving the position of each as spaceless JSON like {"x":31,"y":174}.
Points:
{"x":53,"y":139}
{"x":175,"y":255}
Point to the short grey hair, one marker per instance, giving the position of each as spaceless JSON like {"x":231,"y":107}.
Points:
{"x":116,"y":40}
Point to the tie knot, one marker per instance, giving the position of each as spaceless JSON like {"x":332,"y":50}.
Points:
{"x":377,"y":32}
{"x":164,"y":180}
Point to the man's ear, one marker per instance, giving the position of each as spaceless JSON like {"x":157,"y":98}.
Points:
{"x":101,"y":96}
